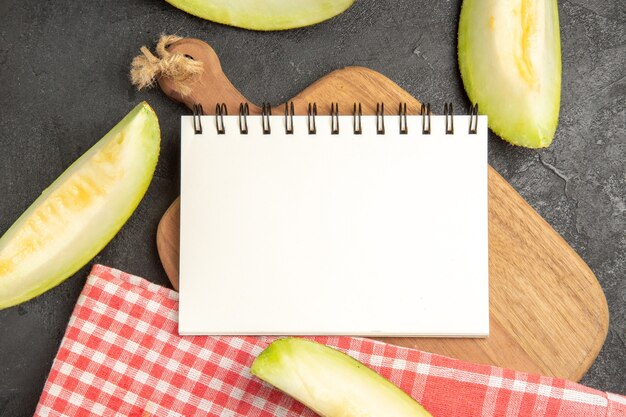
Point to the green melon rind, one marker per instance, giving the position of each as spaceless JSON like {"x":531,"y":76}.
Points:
{"x":266,"y":15}
{"x":148,"y":141}
{"x":519,"y":127}
{"x":322,"y":377}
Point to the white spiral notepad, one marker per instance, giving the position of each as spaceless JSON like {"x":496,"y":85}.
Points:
{"x":335,"y":234}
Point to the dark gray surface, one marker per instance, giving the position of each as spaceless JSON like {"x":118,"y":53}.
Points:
{"x":63,"y":84}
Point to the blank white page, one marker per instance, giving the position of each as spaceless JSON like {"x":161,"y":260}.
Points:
{"x":334,"y":234}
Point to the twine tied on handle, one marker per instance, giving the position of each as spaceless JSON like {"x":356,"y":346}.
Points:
{"x":147,"y":68}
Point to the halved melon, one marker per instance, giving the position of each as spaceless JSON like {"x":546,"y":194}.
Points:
{"x":266,"y":14}
{"x":510,"y":62}
{"x":330,"y":382}
{"x":76,"y":216}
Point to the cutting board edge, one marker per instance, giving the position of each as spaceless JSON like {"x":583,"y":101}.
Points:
{"x":596,"y":287}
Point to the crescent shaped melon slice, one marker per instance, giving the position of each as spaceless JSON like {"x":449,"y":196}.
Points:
{"x":330,"y":382}
{"x":80,"y":212}
{"x":510,"y":61}
{"x":264,"y":15}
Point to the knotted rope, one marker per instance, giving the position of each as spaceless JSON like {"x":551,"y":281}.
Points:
{"x":147,"y":68}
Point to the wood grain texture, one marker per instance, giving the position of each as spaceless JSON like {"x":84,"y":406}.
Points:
{"x":548,"y":312}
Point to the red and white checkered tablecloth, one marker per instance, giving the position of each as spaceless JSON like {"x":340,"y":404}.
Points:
{"x":122,"y":356}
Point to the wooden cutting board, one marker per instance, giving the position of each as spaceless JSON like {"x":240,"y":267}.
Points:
{"x":548,"y":312}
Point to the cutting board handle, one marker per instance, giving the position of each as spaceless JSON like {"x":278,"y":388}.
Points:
{"x":211,"y":87}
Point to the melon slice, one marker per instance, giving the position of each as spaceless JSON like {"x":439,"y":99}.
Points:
{"x":76,"y":216}
{"x":330,"y":382}
{"x":510,"y":62}
{"x":264,"y":15}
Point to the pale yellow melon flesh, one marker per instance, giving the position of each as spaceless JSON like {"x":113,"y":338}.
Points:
{"x":80,"y":212}
{"x":510,"y":62}
{"x":264,"y":14}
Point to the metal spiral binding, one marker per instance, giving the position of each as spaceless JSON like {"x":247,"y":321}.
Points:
{"x":266,"y":112}
{"x":197,"y":120}
{"x":425,"y":112}
{"x":244,"y":111}
{"x":380,"y":118}
{"x":473,"y":124}
{"x":220,"y":112}
{"x":404,"y":128}
{"x":334,"y":118}
{"x":312,"y":112}
{"x":449,"y":115}
{"x":357,"y":117}
{"x":289,"y":112}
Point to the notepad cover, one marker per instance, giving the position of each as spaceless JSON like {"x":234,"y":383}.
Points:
{"x":347,"y":234}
